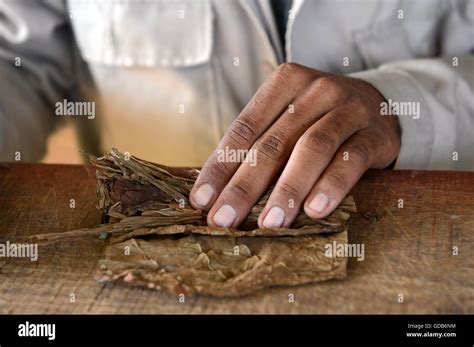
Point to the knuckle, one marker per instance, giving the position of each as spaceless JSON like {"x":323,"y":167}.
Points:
{"x":289,"y":190}
{"x":272,"y":146}
{"x":285,"y":75}
{"x":277,"y":84}
{"x":375,"y":138}
{"x":329,"y":83}
{"x":220,"y":169}
{"x":242,"y":131}
{"x":359,"y":153}
{"x":242,"y":189}
{"x":336,"y":179}
{"x":288,"y":68}
{"x":339,"y":123}
{"x":349,"y":118}
{"x":289,"y":77}
{"x":318,"y":142}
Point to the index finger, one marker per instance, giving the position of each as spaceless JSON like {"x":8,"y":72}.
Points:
{"x":270,"y":101}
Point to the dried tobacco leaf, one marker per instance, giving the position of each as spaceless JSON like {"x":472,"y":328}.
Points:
{"x":135,"y":194}
{"x":221,"y":266}
{"x":159,"y":241}
{"x":123,"y":192}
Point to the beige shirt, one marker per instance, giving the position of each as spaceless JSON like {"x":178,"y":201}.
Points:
{"x":169,"y":76}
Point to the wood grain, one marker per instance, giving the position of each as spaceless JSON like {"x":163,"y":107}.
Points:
{"x":408,"y":250}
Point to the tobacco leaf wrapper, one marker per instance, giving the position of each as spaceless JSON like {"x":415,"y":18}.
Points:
{"x":157,"y":240}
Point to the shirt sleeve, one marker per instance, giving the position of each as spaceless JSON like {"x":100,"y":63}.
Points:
{"x":36,"y":69}
{"x":441,"y":136}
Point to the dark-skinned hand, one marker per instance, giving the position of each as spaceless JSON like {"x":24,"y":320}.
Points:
{"x":313,"y":133}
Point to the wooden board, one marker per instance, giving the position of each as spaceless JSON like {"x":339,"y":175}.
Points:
{"x":408,"y":252}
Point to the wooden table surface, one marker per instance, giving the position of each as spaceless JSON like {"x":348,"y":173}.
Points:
{"x":408,"y":252}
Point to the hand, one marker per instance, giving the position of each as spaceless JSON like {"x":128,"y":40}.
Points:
{"x":316,"y":132}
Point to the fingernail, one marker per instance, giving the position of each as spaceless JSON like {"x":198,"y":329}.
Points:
{"x":203,"y":195}
{"x":319,"y":202}
{"x":224,"y":216}
{"x":274,"y":218}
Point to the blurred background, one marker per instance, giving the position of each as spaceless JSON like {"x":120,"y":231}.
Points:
{"x":63,"y":146}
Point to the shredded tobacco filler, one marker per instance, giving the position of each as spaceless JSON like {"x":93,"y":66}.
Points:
{"x":155,"y":238}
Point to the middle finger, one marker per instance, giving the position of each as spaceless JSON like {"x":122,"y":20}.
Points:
{"x":311,"y":155}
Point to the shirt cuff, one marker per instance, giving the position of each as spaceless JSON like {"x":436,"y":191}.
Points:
{"x":417,"y":132}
